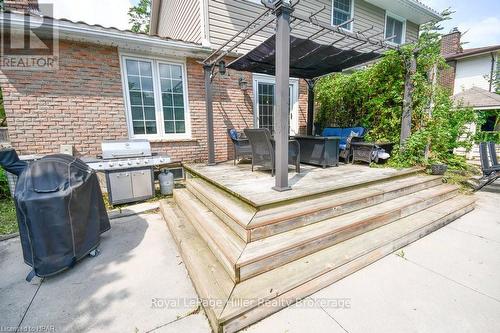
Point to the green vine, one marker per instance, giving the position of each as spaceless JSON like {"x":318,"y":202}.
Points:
{"x":373,"y":98}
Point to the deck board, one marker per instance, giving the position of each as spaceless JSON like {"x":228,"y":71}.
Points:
{"x":255,"y":187}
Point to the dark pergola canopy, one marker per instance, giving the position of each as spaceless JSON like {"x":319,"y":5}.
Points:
{"x":308,"y":59}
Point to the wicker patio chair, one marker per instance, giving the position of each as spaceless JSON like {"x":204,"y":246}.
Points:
{"x":493,"y":154}
{"x":491,"y":172}
{"x":263,"y":153}
{"x":241,"y":145}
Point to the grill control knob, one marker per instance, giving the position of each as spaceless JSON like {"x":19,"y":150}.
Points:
{"x":129,"y":163}
{"x":120,"y":163}
{"x":111,"y":164}
{"x":138,"y":162}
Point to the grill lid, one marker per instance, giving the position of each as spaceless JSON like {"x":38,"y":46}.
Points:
{"x":125,"y":148}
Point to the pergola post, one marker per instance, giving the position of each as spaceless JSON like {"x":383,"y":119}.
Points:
{"x":410,"y":69}
{"x":310,"y":106}
{"x":210,"y":114}
{"x":281,"y":132}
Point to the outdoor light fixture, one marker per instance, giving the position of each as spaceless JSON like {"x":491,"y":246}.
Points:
{"x":243,"y":83}
{"x":222,"y":68}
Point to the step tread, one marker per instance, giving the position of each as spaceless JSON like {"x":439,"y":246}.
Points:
{"x":209,"y":277}
{"x":266,"y":247}
{"x":281,"y":213}
{"x":282,"y":279}
{"x":224,"y":243}
{"x":238,"y":210}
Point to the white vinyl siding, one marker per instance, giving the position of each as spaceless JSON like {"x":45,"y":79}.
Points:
{"x":180,"y":19}
{"x":156,"y":98}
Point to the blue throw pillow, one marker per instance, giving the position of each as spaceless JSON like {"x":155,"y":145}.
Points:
{"x":233,"y":133}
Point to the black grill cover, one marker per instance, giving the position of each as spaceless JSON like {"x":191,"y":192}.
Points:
{"x":61,"y":213}
{"x":11,"y":163}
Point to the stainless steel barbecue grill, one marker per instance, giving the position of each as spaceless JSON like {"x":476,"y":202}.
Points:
{"x":128,"y":166}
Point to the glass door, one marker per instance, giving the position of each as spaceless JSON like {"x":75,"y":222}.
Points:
{"x":265,"y":102}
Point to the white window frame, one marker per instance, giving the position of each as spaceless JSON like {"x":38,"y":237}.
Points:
{"x":160,"y":125}
{"x":400,"y":19}
{"x":352,"y":15}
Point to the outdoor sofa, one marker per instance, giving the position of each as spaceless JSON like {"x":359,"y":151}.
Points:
{"x":346,"y":135}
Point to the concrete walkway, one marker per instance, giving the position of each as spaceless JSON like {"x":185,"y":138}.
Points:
{"x":448,"y":281}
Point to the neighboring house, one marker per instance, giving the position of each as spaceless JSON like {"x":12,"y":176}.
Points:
{"x":114,"y":84}
{"x":470,"y":78}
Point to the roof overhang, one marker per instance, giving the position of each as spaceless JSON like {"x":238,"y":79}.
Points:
{"x":126,"y":40}
{"x":412,"y":10}
{"x":308,"y":59}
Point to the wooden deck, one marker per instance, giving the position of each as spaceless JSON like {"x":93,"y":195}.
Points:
{"x":255,"y":188}
{"x":245,"y":244}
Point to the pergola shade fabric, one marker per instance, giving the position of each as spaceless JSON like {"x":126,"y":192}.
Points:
{"x":308,"y":59}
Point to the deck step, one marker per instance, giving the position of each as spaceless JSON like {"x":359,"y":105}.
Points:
{"x":309,"y":274}
{"x":272,"y":221}
{"x":222,"y":241}
{"x":272,"y":252}
{"x":209,"y":277}
{"x":233,"y":211}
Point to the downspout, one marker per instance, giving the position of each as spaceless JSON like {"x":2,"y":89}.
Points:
{"x":153,"y":20}
{"x":492,"y":71}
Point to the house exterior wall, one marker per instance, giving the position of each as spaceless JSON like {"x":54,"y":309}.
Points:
{"x":82,"y":104}
{"x":227,"y":17}
{"x":186,"y":20}
{"x":474,"y":71}
{"x":180,"y":19}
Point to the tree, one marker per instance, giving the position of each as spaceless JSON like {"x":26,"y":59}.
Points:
{"x":139,"y":16}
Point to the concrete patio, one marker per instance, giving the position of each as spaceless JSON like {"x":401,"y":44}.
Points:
{"x":446,"y":282}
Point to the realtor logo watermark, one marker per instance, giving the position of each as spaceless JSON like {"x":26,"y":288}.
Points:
{"x":29,"y":42}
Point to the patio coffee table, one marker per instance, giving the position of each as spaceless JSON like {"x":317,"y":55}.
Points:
{"x":319,"y":150}
{"x":362,"y":151}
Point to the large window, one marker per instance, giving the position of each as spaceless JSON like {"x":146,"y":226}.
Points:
{"x":156,"y":98}
{"x":342,"y":12}
{"x":395,"y":26}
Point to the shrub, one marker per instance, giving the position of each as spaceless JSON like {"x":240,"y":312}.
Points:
{"x":4,"y":186}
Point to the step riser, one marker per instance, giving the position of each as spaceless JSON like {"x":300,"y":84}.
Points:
{"x":250,"y":270}
{"x":205,"y":235}
{"x":231,"y":223}
{"x":326,"y":279}
{"x":330,"y":211}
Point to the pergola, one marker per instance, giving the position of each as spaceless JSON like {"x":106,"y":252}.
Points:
{"x":283,"y":54}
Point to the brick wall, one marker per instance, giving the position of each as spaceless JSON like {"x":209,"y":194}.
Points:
{"x":450,"y":44}
{"x":80,"y":104}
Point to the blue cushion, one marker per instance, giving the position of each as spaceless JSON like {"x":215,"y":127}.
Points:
{"x":233,"y":134}
{"x":332,"y":131}
{"x":360,"y":131}
{"x":342,"y":146}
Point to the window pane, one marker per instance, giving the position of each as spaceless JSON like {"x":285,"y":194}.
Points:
{"x":167,"y":99}
{"x":394,"y":28}
{"x":135,"y":98}
{"x":169,"y":127}
{"x":176,"y":72}
{"x":148,"y":98}
{"x":149,"y":113}
{"x":166,"y":85}
{"x":134,"y":82}
{"x":177,"y":86}
{"x":342,"y":12}
{"x":137,"y":113}
{"x":165,"y":71}
{"x":132,"y":67}
{"x":145,"y":68}
{"x":139,"y":127}
{"x":179,"y":113}
{"x":178,"y":100}
{"x":168,"y":113}
{"x":150,"y":127}
{"x":147,"y":84}
{"x":142,"y":99}
{"x":180,"y":127}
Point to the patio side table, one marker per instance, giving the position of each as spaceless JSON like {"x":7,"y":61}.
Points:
{"x":319,"y":150}
{"x":363,"y":151}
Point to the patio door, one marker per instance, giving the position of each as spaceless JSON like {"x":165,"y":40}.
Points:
{"x":264,"y":88}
